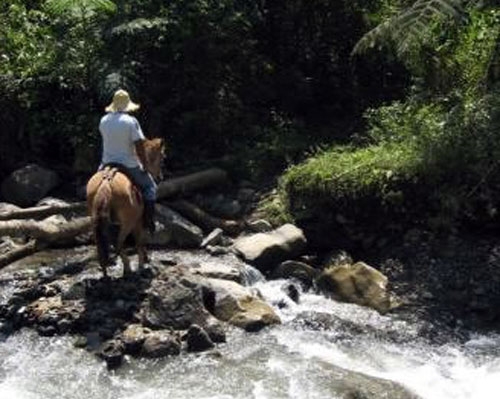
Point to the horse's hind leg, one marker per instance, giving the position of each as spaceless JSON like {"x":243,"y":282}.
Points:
{"x":139,"y":244}
{"x":120,"y":250}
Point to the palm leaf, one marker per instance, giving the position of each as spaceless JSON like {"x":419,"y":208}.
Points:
{"x":411,"y":24}
{"x":60,"y":7}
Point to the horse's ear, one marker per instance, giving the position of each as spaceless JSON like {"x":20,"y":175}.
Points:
{"x":162,"y":143}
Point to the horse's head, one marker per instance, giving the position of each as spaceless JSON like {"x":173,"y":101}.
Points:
{"x":155,"y":151}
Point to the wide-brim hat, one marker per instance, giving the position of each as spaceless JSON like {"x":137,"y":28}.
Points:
{"x":122,"y":103}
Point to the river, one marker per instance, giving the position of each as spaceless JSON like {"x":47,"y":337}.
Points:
{"x":300,"y":358}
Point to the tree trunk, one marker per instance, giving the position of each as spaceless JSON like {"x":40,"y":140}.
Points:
{"x":41,"y":211}
{"x":19,"y":252}
{"x":206,"y":221}
{"x":192,"y":182}
{"x":46,"y":231}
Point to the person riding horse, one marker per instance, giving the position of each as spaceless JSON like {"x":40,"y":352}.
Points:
{"x":123,"y":146}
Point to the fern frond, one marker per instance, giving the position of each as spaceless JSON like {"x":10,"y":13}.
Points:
{"x":411,"y":24}
{"x":60,"y":7}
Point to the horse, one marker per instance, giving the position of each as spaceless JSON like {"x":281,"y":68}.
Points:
{"x":113,"y":197}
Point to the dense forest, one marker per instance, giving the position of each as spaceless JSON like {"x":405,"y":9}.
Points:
{"x":386,"y":107}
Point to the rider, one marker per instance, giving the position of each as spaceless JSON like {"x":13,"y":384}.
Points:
{"x":123,"y":144}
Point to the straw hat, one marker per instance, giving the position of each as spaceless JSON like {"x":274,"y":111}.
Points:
{"x":122,"y":103}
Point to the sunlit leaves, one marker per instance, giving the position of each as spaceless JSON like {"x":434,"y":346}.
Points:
{"x":80,"y":8}
{"x":411,"y":24}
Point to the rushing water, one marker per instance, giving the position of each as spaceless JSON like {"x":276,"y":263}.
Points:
{"x":293,"y":360}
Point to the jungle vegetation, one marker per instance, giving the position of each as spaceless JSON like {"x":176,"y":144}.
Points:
{"x":386,"y":107}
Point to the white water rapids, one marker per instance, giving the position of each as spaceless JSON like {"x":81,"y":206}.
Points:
{"x":293,"y":360}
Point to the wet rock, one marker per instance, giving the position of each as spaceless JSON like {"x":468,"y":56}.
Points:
{"x":218,"y":270}
{"x":358,"y":283}
{"x":161,"y":343}
{"x":300,"y":271}
{"x":216,"y":332}
{"x":182,"y":232}
{"x":112,"y":353}
{"x":26,"y":186}
{"x":173,"y":302}
{"x":217,"y":250}
{"x":46,"y":331}
{"x":265,"y":250}
{"x":133,"y":338}
{"x":292,"y":292}
{"x":198,"y":339}
{"x":6,"y":328}
{"x":259,"y":226}
{"x":214,"y":238}
{"x":76,"y":291}
{"x":338,"y":258}
{"x":239,"y":305}
{"x":353,"y":385}
{"x":64,"y":326}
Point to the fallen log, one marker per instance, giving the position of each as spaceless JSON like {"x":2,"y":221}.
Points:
{"x":192,"y":182}
{"x":47,"y":231}
{"x":203,"y":219}
{"x":19,"y":252}
{"x":42,"y":211}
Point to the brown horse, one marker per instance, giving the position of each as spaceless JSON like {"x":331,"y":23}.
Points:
{"x":112,"y":197}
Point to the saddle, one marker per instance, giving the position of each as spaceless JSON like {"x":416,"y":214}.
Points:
{"x":111,"y":169}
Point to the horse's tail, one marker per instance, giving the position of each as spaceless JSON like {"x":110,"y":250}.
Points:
{"x":101,"y":210}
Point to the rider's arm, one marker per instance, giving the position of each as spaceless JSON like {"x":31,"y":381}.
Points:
{"x":141,"y":153}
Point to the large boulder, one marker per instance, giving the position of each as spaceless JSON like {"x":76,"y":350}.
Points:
{"x":176,"y":230}
{"x":26,"y":186}
{"x":266,"y":250}
{"x":174,"y":302}
{"x":238,"y":305}
{"x":358,"y":283}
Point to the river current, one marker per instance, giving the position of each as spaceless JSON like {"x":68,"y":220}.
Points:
{"x":297,"y":359}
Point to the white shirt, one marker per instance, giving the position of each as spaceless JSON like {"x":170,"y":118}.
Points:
{"x":119,"y":131}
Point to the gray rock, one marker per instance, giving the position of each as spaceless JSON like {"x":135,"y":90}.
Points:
{"x":238,"y":305}
{"x":216,"y":332}
{"x":214,"y":238}
{"x":292,"y":292}
{"x":246,"y":194}
{"x":358,"y":283}
{"x":265,"y":250}
{"x":259,"y":226}
{"x":181,"y":232}
{"x":175,"y":303}
{"x":218,"y":270}
{"x":296,"y":270}
{"x":198,"y":339}
{"x":217,"y":250}
{"x":112,"y":353}
{"x":133,"y":338}
{"x":160,"y":344}
{"x":76,"y":291}
{"x":229,"y":209}
{"x":26,"y":186}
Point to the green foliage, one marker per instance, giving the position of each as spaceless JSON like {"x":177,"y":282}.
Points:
{"x":26,"y":43}
{"x":79,"y":8}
